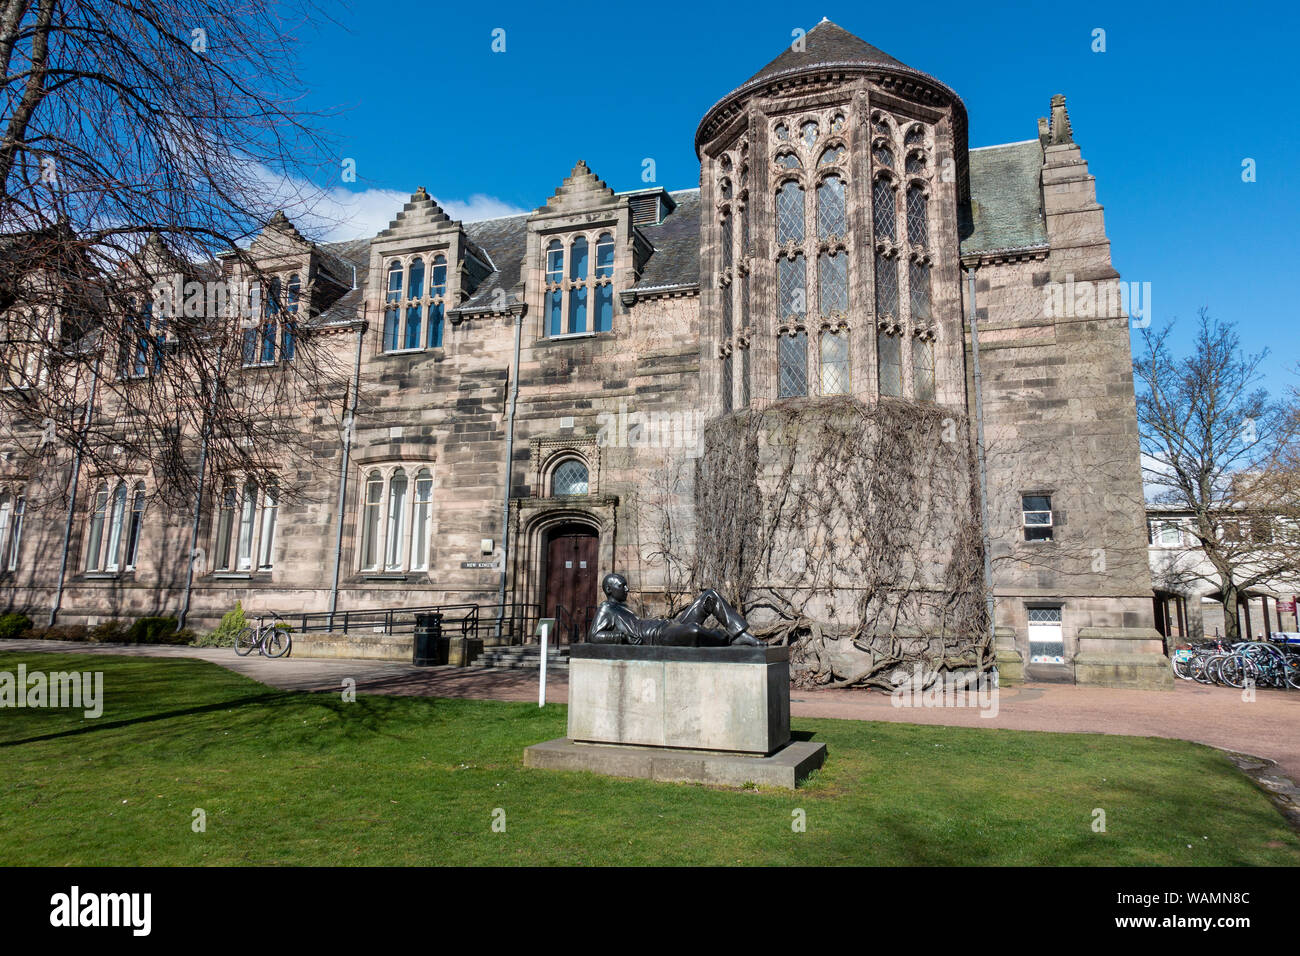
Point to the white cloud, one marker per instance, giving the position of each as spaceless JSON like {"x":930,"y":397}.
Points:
{"x":332,"y":215}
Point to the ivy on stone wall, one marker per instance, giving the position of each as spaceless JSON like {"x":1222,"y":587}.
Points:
{"x":849,"y":532}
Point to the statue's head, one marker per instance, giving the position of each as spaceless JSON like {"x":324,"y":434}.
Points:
{"x":615,"y":586}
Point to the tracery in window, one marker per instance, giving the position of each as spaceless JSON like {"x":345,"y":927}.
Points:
{"x":918,"y":222}
{"x":789,"y":213}
{"x":834,"y":361}
{"x":832,"y":155}
{"x":395,"y":519}
{"x":883,"y":212}
{"x":413,"y":313}
{"x":832,"y":219}
{"x":245,"y":530}
{"x":604,"y":283}
{"x":808,"y":133}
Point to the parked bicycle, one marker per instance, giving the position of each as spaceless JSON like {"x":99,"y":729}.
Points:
{"x":272,"y":638}
{"x":1253,"y":663}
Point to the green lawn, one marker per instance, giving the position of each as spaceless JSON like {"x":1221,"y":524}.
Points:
{"x":310,"y":779}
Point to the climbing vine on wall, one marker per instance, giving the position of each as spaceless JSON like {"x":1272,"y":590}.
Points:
{"x":849,"y":532}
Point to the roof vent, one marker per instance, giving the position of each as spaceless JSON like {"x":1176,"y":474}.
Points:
{"x":650,"y":207}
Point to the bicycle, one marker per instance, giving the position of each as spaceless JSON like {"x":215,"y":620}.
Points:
{"x":271,"y":639}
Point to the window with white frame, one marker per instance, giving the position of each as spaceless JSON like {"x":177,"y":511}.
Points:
{"x":114,"y":526}
{"x":395,"y":518}
{"x":1036,"y":517}
{"x":245,"y":527}
{"x":579,"y":298}
{"x":13,"y":507}
{"x":415,"y":302}
{"x":1166,"y":534}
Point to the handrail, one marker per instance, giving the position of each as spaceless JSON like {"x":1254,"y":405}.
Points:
{"x":391,"y":620}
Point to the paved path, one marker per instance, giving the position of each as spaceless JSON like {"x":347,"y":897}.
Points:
{"x":1268,"y":726}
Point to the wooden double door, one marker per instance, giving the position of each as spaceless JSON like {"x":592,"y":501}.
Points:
{"x":571,"y":575}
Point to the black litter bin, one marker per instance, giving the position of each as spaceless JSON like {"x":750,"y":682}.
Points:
{"x":430,"y":645}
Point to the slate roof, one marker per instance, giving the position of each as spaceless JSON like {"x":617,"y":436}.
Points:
{"x":676,"y":241}
{"x":504,"y":240}
{"x":826,"y":43}
{"x":1006,"y":198}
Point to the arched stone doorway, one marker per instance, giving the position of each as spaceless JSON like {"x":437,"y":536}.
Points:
{"x":571,"y":565}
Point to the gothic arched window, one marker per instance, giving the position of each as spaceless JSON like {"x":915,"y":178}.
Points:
{"x":578,"y":285}
{"x":604,"y":283}
{"x":554,"y":278}
{"x":882,"y":211}
{"x":918,"y":222}
{"x":437,"y":310}
{"x":415,"y":305}
{"x":789,"y":213}
{"x":570,"y":477}
{"x":392,"y":300}
{"x":831,"y":214}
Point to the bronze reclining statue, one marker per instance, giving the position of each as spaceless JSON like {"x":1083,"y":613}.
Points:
{"x":615,"y":624}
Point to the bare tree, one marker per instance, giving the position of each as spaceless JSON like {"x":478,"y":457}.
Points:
{"x":146,"y":142}
{"x":1217,"y":446}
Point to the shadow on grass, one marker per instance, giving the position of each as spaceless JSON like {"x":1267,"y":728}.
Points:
{"x":361,"y":718}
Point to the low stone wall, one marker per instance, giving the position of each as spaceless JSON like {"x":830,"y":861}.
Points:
{"x":370,"y":647}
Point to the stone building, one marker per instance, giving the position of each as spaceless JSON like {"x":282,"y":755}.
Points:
{"x":532,"y":392}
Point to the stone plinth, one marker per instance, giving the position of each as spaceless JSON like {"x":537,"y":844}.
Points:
{"x":785,"y":768}
{"x":731,"y":699}
{"x":713,"y":715}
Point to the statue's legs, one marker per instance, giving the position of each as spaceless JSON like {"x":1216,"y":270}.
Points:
{"x":711,"y":604}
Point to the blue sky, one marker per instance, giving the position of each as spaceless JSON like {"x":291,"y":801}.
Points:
{"x":1165,"y":116}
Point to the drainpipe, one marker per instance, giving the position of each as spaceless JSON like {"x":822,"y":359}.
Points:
{"x":349,"y":425}
{"x":979,"y":455}
{"x":72,"y":496}
{"x":198,"y":496}
{"x":518,"y":313}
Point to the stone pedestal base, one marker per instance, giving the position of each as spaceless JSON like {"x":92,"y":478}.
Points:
{"x":1122,"y":657}
{"x":734,"y":699}
{"x":716,"y":715}
{"x":785,"y":768}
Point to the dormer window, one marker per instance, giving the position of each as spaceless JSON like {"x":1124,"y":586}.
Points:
{"x":274,"y":339}
{"x":577,"y":294}
{"x":414,"y":314}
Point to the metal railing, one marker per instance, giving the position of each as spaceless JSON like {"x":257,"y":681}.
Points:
{"x":571,"y":626}
{"x":518,"y":621}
